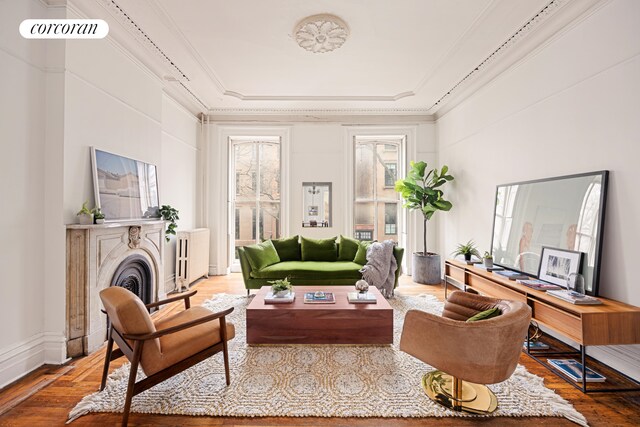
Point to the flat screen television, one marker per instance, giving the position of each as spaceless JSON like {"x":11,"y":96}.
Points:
{"x":124,"y":188}
{"x":564,"y":215}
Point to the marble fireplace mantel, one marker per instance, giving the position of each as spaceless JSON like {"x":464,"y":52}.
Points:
{"x":94,"y":253}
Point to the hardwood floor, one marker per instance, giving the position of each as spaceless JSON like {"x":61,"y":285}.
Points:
{"x":45,"y":397}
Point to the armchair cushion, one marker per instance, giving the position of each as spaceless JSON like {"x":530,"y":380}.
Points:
{"x":262,"y":255}
{"x":182,"y":344}
{"x":483,"y":315}
{"x":319,"y":249}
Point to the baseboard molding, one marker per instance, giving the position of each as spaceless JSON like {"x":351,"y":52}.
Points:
{"x":19,"y":359}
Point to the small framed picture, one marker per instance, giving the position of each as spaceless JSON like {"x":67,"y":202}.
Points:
{"x":557,"y":264}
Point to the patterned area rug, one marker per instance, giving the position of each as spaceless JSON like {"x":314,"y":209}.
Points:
{"x":315,"y":380}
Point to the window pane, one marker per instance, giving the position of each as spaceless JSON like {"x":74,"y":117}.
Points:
{"x":391,"y":221}
{"x":244,"y":228}
{"x":385,"y":176}
{"x":269,"y":221}
{"x":390,"y":174}
{"x":269,"y":171}
{"x":246,"y":164}
{"x":364,"y":171}
{"x":364,"y":220}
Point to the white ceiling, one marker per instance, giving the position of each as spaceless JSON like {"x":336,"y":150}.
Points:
{"x":402,"y":56}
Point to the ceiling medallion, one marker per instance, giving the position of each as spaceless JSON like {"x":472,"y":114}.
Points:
{"x":321,"y":33}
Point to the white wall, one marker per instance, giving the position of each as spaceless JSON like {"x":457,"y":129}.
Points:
{"x":570,"y":107}
{"x":60,"y":98}
{"x":23,"y":136}
{"x":316,"y":152}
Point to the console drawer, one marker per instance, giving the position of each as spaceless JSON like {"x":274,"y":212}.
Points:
{"x":488,"y":288}
{"x":455,"y":273}
{"x":558,"y":320}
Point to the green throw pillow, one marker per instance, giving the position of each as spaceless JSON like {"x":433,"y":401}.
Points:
{"x":288,"y":249}
{"x":347,"y":249}
{"x":319,"y":249}
{"x":361,"y":254}
{"x":261,"y":255}
{"x":484,"y":315}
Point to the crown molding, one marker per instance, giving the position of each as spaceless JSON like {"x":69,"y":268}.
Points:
{"x":318,"y":98}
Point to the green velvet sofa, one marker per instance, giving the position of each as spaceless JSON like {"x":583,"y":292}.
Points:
{"x":307,"y":261}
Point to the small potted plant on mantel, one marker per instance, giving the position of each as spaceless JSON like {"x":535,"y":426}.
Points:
{"x":487,"y":258}
{"x":85,"y":217}
{"x":281,"y":287}
{"x":98,"y":216}
{"x":467,"y":250}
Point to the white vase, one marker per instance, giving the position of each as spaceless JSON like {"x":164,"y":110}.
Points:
{"x":85,"y":219}
{"x":281,"y":293}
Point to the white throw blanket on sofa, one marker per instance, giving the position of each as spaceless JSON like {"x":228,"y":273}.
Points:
{"x":381,"y":267}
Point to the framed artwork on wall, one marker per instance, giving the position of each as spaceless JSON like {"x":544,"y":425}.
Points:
{"x":557,"y":264}
{"x":124,"y":188}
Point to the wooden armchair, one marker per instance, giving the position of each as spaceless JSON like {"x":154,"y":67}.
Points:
{"x":162,"y":348}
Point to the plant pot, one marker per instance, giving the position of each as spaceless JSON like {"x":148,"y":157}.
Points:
{"x":488,"y":262}
{"x":85,"y":219}
{"x":467,"y":257}
{"x":99,"y":220}
{"x":281,"y":293}
{"x":427,"y":269}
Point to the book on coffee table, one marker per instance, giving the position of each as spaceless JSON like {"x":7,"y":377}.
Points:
{"x":361,"y":298}
{"x":319,"y":298}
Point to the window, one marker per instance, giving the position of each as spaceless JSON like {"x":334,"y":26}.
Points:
{"x":390,"y":174}
{"x":237,"y":222}
{"x":255,"y":163}
{"x":376,"y":201}
{"x":364,"y":234}
{"x":390,"y":218}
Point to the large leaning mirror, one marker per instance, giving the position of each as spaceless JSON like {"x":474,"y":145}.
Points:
{"x":565,"y":213}
{"x":316,"y":204}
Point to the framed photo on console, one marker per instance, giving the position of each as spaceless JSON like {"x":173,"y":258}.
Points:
{"x":557,"y":264}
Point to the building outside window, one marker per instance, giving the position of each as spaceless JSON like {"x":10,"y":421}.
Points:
{"x":255,"y":163}
{"x":376,"y":203}
{"x":390,"y":218}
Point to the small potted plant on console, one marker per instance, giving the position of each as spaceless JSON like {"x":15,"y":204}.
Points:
{"x":487,"y":259}
{"x":467,"y":250}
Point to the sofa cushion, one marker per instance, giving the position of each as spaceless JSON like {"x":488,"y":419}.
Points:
{"x":261,"y":255}
{"x":319,"y":249}
{"x":288,"y":249}
{"x":347,"y":249}
{"x":361,"y":254}
{"x":310,"y":270}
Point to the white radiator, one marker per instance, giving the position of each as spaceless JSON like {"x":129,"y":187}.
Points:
{"x":192,"y":256}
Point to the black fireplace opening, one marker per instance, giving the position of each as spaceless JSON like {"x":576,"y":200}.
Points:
{"x":134,"y":274}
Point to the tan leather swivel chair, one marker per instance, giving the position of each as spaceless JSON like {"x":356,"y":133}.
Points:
{"x":472,"y":354}
{"x":162,"y":348}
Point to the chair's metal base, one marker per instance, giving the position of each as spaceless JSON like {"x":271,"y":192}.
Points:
{"x":459,"y":395}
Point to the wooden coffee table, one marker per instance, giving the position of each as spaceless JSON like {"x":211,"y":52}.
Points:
{"x":300,"y":323}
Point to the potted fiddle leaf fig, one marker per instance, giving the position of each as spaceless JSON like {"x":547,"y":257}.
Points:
{"x":421,"y":191}
{"x":467,"y":250}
